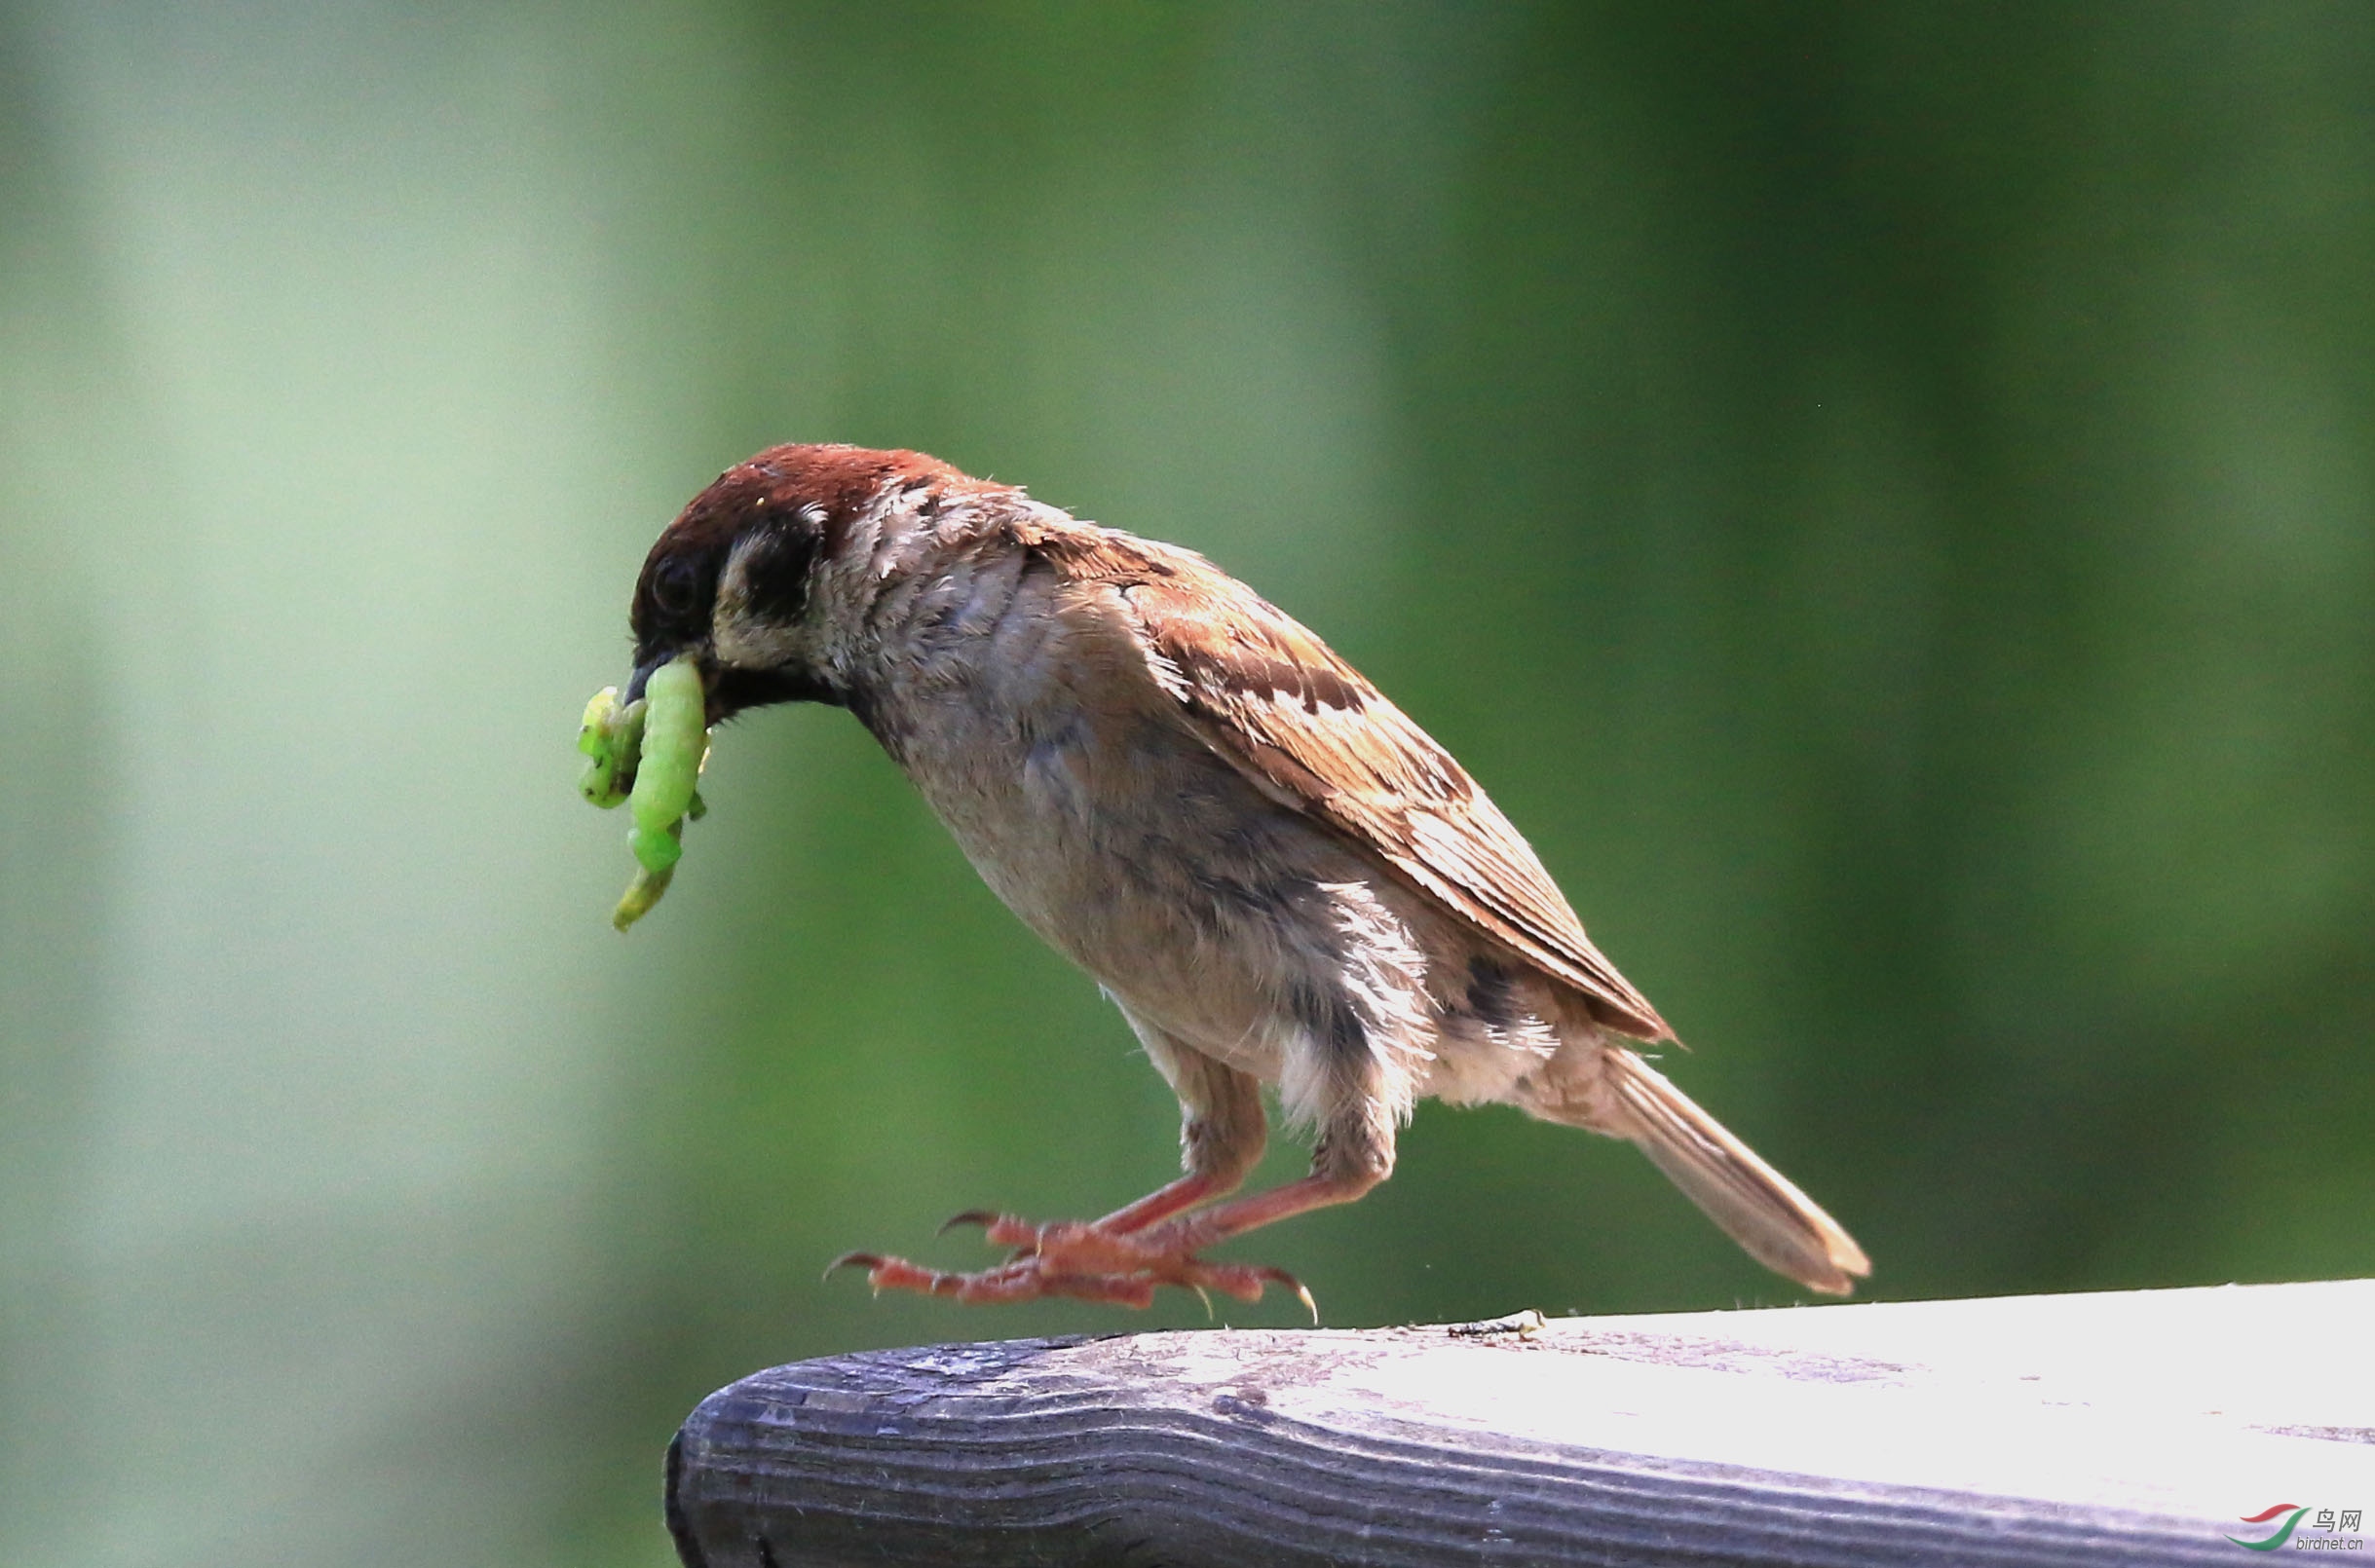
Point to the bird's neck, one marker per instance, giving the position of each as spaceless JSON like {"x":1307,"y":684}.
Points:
{"x":926,"y":608}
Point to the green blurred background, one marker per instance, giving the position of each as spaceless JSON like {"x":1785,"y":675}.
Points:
{"x":1883,"y":495}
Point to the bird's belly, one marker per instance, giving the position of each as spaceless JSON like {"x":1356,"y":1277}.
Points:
{"x":1148,"y":862}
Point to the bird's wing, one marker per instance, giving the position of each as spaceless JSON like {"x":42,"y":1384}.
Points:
{"x":1306,"y":728}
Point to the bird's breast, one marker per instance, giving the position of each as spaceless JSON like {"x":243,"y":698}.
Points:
{"x":1135,"y":852}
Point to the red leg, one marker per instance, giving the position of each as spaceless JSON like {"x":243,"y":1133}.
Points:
{"x":1073,"y":1246}
{"x":1093,"y":1261}
{"x":1125,"y":1256}
{"x":1009,"y":1230}
{"x":1087,"y":1265}
{"x":1318,"y":1190}
{"x":1163,"y":1202}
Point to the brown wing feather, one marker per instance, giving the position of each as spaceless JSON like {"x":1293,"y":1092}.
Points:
{"x":1268,"y":696}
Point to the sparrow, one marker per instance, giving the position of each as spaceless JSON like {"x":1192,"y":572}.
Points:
{"x":1278,"y":878}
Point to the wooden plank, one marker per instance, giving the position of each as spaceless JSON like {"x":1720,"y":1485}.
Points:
{"x":2135,"y":1428}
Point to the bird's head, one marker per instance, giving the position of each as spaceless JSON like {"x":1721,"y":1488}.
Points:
{"x":754,"y":575}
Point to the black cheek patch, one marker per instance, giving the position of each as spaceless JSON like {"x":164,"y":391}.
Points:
{"x":776,"y":572}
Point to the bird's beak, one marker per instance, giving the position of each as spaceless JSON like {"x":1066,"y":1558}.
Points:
{"x":645,"y":668}
{"x":641,"y":677}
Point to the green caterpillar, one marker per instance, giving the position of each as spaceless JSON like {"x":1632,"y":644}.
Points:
{"x":649,"y":754}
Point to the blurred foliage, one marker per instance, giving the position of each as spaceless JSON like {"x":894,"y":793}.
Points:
{"x":1883,"y":495}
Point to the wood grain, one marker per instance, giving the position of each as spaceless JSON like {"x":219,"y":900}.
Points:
{"x":2129,"y":1429}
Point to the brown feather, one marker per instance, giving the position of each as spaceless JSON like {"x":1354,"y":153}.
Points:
{"x":1266,"y":693}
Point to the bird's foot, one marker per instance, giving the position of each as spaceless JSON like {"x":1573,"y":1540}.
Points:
{"x":1081,"y":1260}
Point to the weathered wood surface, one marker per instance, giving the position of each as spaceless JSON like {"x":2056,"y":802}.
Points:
{"x":2137,"y":1428}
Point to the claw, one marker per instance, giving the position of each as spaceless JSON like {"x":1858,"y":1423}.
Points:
{"x":1280,"y":1277}
{"x":869,"y":1261}
{"x":983,"y":1218}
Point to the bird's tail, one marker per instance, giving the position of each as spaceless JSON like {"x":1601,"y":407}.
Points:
{"x":1757,"y":1207}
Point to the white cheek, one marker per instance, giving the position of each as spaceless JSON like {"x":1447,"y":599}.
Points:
{"x":758,"y":645}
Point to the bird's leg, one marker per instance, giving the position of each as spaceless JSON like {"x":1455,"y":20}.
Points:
{"x":1173,"y":1198}
{"x":1342,"y":1169}
{"x":1091,"y":1260}
{"x":1026,"y":1277}
{"x":1222,"y":1133}
{"x":1122,"y":1258}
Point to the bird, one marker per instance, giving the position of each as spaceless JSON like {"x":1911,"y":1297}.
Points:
{"x":1278,"y":878}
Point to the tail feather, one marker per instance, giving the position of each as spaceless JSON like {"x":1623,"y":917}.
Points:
{"x":1755,"y":1205}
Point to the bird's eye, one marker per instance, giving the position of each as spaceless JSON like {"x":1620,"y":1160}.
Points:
{"x":676,"y":589}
